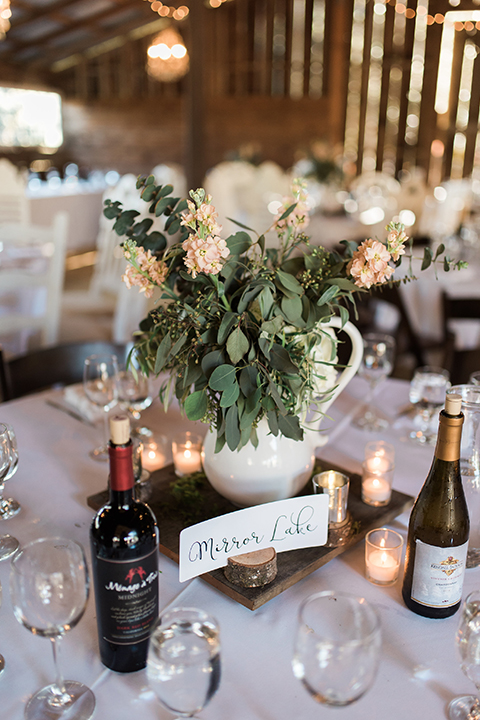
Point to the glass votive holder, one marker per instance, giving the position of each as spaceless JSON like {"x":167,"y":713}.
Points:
{"x":156,"y":449}
{"x":186,"y":451}
{"x":378,"y":468}
{"x":336,"y":485}
{"x":383,"y":556}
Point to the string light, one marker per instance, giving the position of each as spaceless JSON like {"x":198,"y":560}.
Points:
{"x":471,"y":24}
{"x":5,"y":15}
{"x":167,"y":57}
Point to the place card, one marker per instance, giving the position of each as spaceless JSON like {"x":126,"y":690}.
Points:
{"x":292,"y":524}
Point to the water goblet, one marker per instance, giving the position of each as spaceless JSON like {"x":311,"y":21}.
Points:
{"x":2,"y":659}
{"x":428,"y":389}
{"x":8,"y":467}
{"x":377,"y":364}
{"x":100,"y":383}
{"x":183,"y":665}
{"x":337,"y":647}
{"x":467,"y":640}
{"x":134,"y":395}
{"x":49,"y":585}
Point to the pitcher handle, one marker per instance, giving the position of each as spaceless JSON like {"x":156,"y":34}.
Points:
{"x":355,"y":356}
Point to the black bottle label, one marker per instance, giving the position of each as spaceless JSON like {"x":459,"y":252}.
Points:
{"x":127,"y":598}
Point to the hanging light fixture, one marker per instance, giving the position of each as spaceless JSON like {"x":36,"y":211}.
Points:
{"x":5,"y":15}
{"x":167,"y":56}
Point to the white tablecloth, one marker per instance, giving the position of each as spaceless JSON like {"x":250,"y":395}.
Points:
{"x":419,"y":672}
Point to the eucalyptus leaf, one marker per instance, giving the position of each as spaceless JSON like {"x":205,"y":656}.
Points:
{"x":232,"y":431}
{"x":292,"y":308}
{"x":239,"y":243}
{"x":196,"y":405}
{"x":148,"y":192}
{"x":280,"y":359}
{"x":427,"y":258}
{"x":165,"y":190}
{"x":290,"y":282}
{"x":230,"y":395}
{"x":237,"y":345}
{"x":222,"y":377}
{"x":273,"y":422}
{"x":162,"y":205}
{"x":329,"y":294}
{"x":248,"y":380}
{"x":227,"y":323}
{"x":162,"y":353}
{"x":289,"y":426}
{"x":212,"y":360}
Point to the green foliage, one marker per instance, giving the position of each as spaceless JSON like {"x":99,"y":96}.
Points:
{"x":247,"y":343}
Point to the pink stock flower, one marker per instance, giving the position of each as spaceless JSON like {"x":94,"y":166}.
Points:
{"x":369,"y":265}
{"x":204,"y":255}
{"x":205,"y":215}
{"x":156,"y":272}
{"x":396,"y":240}
{"x":298,"y":218}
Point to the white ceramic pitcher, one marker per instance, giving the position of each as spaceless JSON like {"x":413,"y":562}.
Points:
{"x":279,"y":467}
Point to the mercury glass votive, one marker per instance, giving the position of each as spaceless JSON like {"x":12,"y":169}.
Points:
{"x":378,"y":469}
{"x":383,"y":556}
{"x":336,"y":485}
{"x":186,"y":451}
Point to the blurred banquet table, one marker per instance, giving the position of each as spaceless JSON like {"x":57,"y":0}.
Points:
{"x":84,"y":208}
{"x":419,"y":671}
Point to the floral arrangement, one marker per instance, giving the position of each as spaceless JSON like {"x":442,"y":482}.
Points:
{"x":238,"y":326}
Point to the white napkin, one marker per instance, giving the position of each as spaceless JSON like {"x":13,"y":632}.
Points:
{"x":74,"y":395}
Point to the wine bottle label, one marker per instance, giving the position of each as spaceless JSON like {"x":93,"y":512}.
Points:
{"x":127,"y":598}
{"x":438,"y":574}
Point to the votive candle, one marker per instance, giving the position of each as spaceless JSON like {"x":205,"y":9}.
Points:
{"x":383,"y":555}
{"x":186,"y":450}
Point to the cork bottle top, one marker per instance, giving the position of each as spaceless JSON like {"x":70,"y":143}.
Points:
{"x":119,"y":429}
{"x":453,"y":404}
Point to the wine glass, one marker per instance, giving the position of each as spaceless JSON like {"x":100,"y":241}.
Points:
{"x":467,"y":707}
{"x":49,"y":585}
{"x":183,"y":665}
{"x":100,"y":382}
{"x":134,"y":395}
{"x":337,"y":647}
{"x":2,"y":659}
{"x":474,"y":378}
{"x":8,"y":467}
{"x":377,"y":364}
{"x":428,"y":389}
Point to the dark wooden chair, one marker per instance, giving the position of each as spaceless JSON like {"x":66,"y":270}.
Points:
{"x":52,"y":366}
{"x":459,"y":362}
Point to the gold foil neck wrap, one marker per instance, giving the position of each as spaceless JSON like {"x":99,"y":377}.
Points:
{"x":449,"y":436}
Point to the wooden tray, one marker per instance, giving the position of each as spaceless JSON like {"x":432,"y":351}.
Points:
{"x":292,"y":566}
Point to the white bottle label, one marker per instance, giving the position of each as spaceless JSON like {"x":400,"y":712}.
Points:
{"x":438,"y":574}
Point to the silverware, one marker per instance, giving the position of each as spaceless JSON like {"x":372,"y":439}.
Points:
{"x":72,"y":413}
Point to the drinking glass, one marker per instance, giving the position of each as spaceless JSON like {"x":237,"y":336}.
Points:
{"x":467,"y":707}
{"x":134,"y":395}
{"x":100,"y":382}
{"x":428,"y":389}
{"x":49,"y":586}
{"x":337,"y":647}
{"x":474,"y":378}
{"x":8,"y":467}
{"x":2,"y":659}
{"x":377,"y":364}
{"x":183,"y":665}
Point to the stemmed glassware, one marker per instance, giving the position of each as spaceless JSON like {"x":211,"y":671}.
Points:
{"x":100,"y":383}
{"x":2,"y":659}
{"x":467,"y":707}
{"x":134,"y":395}
{"x":183,"y":665}
{"x":8,"y":467}
{"x":377,"y":364}
{"x":49,"y":585}
{"x":428,"y":389}
{"x":337,"y":647}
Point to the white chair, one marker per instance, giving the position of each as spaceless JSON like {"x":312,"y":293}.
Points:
{"x":171,"y":174}
{"x":14,"y":204}
{"x":32,"y":267}
{"x":106,"y":282}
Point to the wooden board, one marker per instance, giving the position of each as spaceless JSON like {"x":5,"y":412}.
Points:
{"x":292,"y":566}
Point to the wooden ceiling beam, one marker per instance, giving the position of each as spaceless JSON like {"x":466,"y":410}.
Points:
{"x":86,"y":22}
{"x":52,"y":56}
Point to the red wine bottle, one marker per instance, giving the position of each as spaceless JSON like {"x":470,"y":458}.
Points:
{"x":124,"y":542}
{"x":439,"y":527}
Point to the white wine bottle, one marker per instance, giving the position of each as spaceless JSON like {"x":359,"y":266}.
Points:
{"x":439,"y":527}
